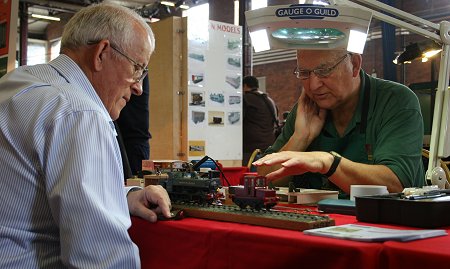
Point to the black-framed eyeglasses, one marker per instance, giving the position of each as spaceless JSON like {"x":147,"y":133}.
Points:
{"x":319,"y":72}
{"x":140,"y":71}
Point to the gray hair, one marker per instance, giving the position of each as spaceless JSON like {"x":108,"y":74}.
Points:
{"x":104,"y":21}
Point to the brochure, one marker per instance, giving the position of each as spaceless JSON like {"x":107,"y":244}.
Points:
{"x":373,"y":234}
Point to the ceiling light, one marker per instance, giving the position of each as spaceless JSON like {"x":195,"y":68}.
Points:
{"x":44,"y":17}
{"x":255,"y":4}
{"x":311,"y":26}
{"x":167,"y":3}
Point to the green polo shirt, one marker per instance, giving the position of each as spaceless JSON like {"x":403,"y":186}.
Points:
{"x":393,"y":136}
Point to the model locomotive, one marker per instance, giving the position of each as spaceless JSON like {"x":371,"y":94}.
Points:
{"x":184,"y":184}
{"x":253,"y":194}
{"x":192,"y":187}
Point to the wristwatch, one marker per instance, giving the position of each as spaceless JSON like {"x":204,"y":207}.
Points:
{"x":334,"y":165}
{"x":135,"y":188}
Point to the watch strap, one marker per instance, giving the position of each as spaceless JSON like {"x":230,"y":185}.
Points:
{"x":334,"y":165}
{"x":132,"y":189}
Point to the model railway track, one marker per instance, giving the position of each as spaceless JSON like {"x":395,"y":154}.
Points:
{"x":267,"y":218}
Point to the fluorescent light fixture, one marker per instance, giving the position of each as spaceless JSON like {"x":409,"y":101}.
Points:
{"x":255,"y":4}
{"x":260,"y":40}
{"x":356,"y":41}
{"x":184,"y":6}
{"x":167,"y":3}
{"x":321,"y":2}
{"x":310,"y":26}
{"x":44,"y":17}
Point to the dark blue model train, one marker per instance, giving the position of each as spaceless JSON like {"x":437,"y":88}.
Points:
{"x":191,"y":187}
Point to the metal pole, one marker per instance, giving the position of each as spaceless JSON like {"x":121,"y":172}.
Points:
{"x":23,"y":35}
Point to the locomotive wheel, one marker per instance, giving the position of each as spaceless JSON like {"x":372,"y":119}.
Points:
{"x":258,"y":205}
{"x":239,"y":203}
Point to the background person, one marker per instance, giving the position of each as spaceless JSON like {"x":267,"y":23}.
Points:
{"x":134,"y":124}
{"x":375,"y":125}
{"x":260,"y":118}
{"x":61,"y":188}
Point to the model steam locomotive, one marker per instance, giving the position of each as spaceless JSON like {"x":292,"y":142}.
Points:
{"x":183,"y":184}
{"x":192,"y":187}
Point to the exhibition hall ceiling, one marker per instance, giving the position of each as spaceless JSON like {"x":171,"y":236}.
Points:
{"x":147,"y":8}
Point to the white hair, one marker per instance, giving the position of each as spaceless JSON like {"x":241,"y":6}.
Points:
{"x":104,"y":21}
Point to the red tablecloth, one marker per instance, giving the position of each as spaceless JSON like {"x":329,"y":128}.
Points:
{"x":427,"y":253}
{"x":198,"y":243}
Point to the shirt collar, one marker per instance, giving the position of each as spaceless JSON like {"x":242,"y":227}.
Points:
{"x":74,"y":75}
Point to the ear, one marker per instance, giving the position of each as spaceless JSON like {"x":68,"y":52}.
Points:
{"x":356,"y":60}
{"x":101,"y":49}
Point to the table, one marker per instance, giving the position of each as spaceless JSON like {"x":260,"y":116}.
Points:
{"x":198,"y":243}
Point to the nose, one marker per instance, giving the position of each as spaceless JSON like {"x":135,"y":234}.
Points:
{"x":315,"y":82}
{"x":136,"y":88}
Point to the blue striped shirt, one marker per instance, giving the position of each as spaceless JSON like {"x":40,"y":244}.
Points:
{"x":63,"y":203}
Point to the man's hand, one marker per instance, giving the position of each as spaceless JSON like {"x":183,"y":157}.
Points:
{"x":295,"y":163}
{"x":309,"y":119}
{"x":149,"y":202}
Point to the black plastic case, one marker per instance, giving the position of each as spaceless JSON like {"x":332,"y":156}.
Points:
{"x":395,"y":209}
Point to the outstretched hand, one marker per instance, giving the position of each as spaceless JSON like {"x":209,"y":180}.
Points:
{"x":295,"y":163}
{"x":149,"y":202}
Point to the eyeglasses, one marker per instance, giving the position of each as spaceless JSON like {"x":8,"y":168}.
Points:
{"x":140,"y":71}
{"x":319,"y":72}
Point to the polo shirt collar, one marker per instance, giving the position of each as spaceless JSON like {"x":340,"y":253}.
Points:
{"x":356,"y":119}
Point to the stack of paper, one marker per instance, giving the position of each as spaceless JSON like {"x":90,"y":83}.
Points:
{"x":373,"y":234}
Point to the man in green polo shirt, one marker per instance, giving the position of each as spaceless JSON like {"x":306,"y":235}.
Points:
{"x":347,"y":128}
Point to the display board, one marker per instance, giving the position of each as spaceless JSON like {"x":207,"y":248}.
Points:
{"x":214,"y":91}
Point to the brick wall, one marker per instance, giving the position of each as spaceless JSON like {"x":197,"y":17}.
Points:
{"x":281,"y":83}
